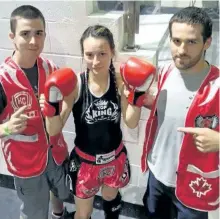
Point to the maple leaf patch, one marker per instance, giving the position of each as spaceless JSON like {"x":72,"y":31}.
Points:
{"x":200,"y":186}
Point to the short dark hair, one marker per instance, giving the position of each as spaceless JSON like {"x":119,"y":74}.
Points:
{"x":193,"y":15}
{"x":27,"y":12}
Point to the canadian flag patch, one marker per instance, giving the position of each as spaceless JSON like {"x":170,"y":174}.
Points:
{"x":200,"y":186}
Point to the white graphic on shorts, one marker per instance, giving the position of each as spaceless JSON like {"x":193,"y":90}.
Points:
{"x":105,"y":158}
{"x":73,"y":166}
{"x":116,"y":208}
{"x":200,"y":186}
{"x":125,"y":174}
{"x":90,"y":192}
{"x":101,"y":110}
{"x":106,"y":172}
{"x":20,"y":99}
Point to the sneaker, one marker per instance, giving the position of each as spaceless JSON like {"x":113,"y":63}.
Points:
{"x":66,"y":215}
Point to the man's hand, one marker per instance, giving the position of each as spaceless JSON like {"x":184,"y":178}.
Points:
{"x":150,"y":96}
{"x":205,"y":139}
{"x":18,"y":121}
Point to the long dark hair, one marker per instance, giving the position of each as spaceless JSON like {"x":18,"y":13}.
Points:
{"x":99,"y":31}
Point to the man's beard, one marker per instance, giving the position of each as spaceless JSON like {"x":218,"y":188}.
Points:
{"x":188,"y":62}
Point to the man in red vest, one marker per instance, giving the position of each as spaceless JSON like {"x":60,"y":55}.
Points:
{"x":181,"y":147}
{"x":37,"y":161}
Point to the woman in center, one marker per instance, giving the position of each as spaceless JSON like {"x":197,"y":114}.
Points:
{"x":99,"y":159}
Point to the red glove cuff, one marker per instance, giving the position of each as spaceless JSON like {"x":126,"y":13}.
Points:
{"x":136,"y":98}
{"x":52,"y":109}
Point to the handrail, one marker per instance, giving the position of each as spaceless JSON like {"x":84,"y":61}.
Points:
{"x":131,"y":21}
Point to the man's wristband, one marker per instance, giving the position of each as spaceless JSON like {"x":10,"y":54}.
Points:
{"x":6,"y":130}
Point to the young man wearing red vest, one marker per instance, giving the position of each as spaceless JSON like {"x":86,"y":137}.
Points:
{"x":37,"y":161}
{"x":181,"y":145}
{"x":181,"y":148}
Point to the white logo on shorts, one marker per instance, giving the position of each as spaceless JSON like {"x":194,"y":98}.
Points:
{"x":105,"y":158}
{"x":116,"y":208}
{"x":90,"y":192}
{"x":73,"y":166}
{"x":126,"y":172}
{"x":106,"y":172}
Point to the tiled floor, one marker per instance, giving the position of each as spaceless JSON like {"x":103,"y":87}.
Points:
{"x":10,"y":204}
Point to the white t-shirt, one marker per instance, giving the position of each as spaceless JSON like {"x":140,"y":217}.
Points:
{"x":173,"y":103}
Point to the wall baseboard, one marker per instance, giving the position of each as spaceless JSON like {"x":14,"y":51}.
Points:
{"x":128,"y":209}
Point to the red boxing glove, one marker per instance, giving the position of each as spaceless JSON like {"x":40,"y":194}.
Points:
{"x":138,"y":76}
{"x":59,"y":84}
